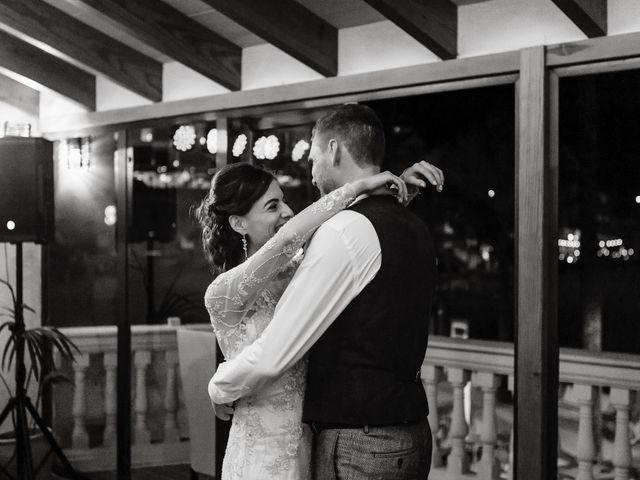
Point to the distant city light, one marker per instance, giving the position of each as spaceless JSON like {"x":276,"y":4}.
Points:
{"x":491,"y":193}
{"x":176,"y":163}
{"x":11,"y":225}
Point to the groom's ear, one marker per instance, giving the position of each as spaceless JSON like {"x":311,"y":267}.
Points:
{"x":238,"y":224}
{"x":334,"y":150}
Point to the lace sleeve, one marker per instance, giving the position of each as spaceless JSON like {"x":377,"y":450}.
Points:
{"x":231,"y":294}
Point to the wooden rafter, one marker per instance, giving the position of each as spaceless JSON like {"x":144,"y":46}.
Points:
{"x":289,"y":26}
{"x":20,"y":96}
{"x":590,"y":16}
{"x":171,"y":32}
{"x":69,"y":36}
{"x":24,"y":59}
{"x":433,"y":23}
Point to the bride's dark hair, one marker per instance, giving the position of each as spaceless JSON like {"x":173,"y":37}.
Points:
{"x":234,"y":190}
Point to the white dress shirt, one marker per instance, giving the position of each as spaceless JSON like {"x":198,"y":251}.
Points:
{"x":341,"y":259}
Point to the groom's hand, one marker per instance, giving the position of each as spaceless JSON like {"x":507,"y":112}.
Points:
{"x":418,"y":174}
{"x":224,"y":411}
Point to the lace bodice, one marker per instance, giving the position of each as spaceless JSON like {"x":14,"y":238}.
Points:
{"x":235,"y":296}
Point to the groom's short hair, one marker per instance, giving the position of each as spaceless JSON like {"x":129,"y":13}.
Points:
{"x":358,"y":128}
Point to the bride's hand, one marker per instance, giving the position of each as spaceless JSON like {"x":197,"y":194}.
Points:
{"x":385,"y":183}
{"x":223,"y":411}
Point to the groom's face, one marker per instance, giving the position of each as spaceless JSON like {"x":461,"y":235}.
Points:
{"x":323,"y":172}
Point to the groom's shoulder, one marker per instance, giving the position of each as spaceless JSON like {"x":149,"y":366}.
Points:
{"x":349,"y":227}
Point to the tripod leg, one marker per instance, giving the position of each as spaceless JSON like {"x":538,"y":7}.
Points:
{"x":52,"y":441}
{"x":7,"y":410}
{"x":23,"y":460}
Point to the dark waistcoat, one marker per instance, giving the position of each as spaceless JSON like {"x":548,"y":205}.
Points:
{"x":364,"y":370}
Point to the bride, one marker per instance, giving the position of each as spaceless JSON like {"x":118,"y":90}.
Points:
{"x":254,"y":244}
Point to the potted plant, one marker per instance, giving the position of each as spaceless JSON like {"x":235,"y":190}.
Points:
{"x":31,"y":352}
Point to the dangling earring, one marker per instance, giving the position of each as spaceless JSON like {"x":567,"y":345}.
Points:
{"x":244,"y":245}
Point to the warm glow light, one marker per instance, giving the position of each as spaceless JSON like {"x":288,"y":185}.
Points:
{"x":110,"y":215}
{"x":569,"y":259}
{"x":638,"y":199}
{"x":212,"y":141}
{"x":11,"y":225}
{"x":176,"y":163}
{"x":491,"y":193}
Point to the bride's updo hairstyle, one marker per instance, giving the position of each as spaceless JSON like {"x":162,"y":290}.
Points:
{"x":234,"y":190}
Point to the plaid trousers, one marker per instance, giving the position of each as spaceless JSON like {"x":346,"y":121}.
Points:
{"x":397,"y":452}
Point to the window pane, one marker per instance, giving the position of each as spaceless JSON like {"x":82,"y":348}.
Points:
{"x":599,"y":212}
{"x":470,"y":136}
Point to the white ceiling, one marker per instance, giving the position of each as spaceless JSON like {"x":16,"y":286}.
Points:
{"x":339,"y":13}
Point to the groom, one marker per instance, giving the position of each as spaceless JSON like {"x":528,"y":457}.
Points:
{"x":360,"y":302}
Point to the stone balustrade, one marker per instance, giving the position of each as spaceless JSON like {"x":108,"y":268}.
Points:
{"x":159,"y":430}
{"x":597,"y":389}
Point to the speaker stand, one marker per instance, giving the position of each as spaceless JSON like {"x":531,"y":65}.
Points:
{"x":20,"y":404}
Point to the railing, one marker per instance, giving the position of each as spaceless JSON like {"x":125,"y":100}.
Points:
{"x":466,"y":382}
{"x":461,"y":378}
{"x":87,"y":430}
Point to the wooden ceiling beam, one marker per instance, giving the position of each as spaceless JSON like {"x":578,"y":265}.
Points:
{"x":19,"y":96}
{"x":590,"y":16}
{"x":171,"y":32}
{"x":47,"y":70}
{"x":69,"y":36}
{"x":289,"y":26}
{"x":433,"y":23}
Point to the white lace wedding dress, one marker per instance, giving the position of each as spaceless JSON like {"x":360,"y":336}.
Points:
{"x":268,"y":440}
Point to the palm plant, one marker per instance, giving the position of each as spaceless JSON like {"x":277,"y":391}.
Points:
{"x":36,"y":346}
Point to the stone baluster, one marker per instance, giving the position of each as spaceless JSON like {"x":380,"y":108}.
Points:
{"x":488,"y":469}
{"x":620,"y":399}
{"x":431,"y":376}
{"x":110,"y":362}
{"x":80,"y":435}
{"x":458,"y":463}
{"x":171,"y":430}
{"x":511,"y":388}
{"x":586,"y":450}
{"x":142,"y":359}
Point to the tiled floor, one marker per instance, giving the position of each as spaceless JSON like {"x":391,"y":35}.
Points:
{"x":169,"y":472}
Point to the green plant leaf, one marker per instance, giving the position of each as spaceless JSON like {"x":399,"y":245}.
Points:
{"x":10,"y":342}
{"x":36,"y":360}
{"x":27,"y":307}
{"x":12,"y":353}
{"x":56,"y":377}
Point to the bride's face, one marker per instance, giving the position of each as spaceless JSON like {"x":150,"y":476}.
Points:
{"x":266,"y":217}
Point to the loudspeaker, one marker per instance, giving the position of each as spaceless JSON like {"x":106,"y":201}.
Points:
{"x":26,"y":190}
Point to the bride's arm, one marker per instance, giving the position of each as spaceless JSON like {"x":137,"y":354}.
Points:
{"x":229,"y":296}
{"x":231,"y":293}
